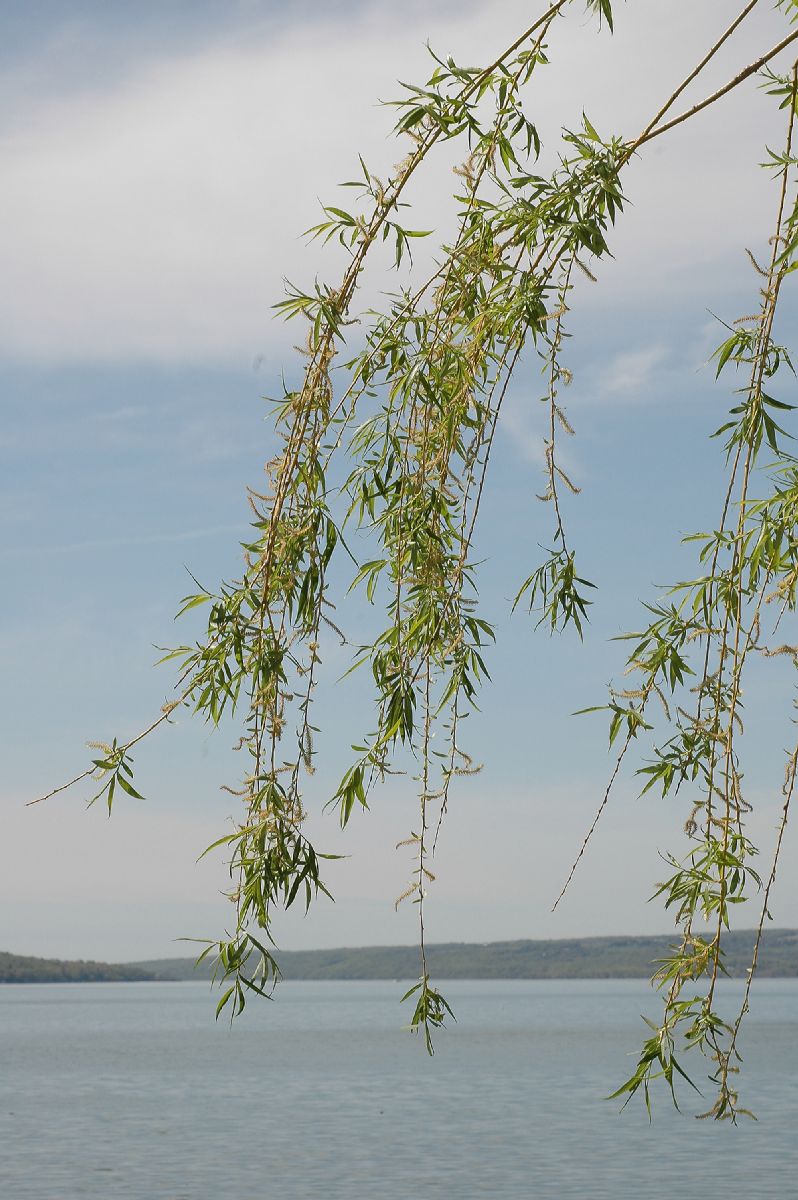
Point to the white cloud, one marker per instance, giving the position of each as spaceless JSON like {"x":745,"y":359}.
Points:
{"x":631,"y":374}
{"x":628,"y":377}
{"x":518,"y":423}
{"x":156,"y":218}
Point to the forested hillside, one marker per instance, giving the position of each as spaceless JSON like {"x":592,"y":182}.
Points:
{"x":572,"y":958}
{"x":16,"y":968}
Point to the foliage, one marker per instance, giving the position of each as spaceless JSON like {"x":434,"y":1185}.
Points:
{"x":408,"y":398}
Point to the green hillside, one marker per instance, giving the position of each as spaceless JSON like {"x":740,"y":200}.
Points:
{"x":16,"y":968}
{"x":572,"y":958}
{"x":568,"y":958}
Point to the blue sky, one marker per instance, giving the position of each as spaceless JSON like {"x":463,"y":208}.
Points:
{"x":160,"y":162}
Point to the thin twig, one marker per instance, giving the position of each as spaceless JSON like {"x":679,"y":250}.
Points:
{"x":746,"y":73}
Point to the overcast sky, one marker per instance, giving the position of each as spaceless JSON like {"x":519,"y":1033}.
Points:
{"x":159,"y":164}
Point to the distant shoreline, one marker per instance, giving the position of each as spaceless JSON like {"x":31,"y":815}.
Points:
{"x":566,"y":958}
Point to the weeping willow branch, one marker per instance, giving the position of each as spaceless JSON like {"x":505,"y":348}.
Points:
{"x":383,"y":462}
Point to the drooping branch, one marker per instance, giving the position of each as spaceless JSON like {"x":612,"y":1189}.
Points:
{"x":408,"y":422}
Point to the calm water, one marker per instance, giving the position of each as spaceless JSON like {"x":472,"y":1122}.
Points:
{"x":131,"y":1090}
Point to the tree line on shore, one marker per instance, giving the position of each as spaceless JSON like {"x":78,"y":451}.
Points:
{"x":568,"y":958}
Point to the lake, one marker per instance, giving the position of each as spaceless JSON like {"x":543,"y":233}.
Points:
{"x":132,"y":1090}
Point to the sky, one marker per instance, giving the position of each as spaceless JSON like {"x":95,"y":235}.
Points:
{"x":160,"y":162}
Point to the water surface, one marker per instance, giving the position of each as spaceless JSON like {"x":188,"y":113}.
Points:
{"x":131,"y":1090}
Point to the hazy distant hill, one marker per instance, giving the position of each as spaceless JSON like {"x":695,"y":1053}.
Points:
{"x":14,"y":968}
{"x":572,"y":958}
